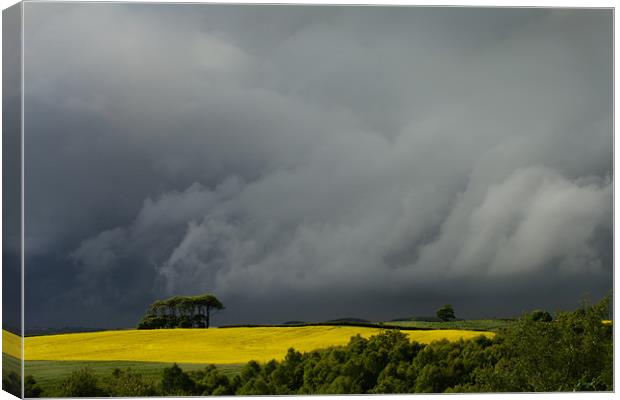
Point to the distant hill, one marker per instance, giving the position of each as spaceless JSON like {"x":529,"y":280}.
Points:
{"x":55,"y":331}
{"x":294,"y":323}
{"x":349,"y":320}
{"x":423,"y":319}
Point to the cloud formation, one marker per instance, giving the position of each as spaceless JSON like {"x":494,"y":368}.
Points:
{"x":259,"y":151}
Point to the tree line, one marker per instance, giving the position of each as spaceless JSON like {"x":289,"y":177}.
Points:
{"x":181,"y":312}
{"x":571,"y":352}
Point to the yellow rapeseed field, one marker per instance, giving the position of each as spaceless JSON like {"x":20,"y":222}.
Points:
{"x":11,"y":344}
{"x":217,"y":346}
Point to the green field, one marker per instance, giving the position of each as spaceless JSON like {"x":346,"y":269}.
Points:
{"x":492,"y":325}
{"x":49,"y":374}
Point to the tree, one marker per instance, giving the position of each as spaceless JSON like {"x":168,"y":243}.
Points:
{"x":177,"y":383}
{"x":127,"y":383}
{"x":207,"y":303}
{"x":158,"y":308}
{"x":151,"y":321}
{"x":541,"y":316}
{"x":446,"y":313}
{"x":81,"y":383}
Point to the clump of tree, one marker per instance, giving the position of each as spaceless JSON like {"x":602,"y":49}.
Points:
{"x":81,"y":383}
{"x":181,"y":312}
{"x":446,"y":313}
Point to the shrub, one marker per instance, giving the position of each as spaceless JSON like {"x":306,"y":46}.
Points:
{"x":175,"y":382}
{"x":540,"y":316}
{"x":127,"y":383}
{"x":11,"y":383}
{"x":211,"y":382}
{"x":152,"y":322}
{"x":81,"y":383}
{"x":31,"y":389}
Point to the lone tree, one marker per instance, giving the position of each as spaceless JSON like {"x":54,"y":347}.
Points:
{"x":446,"y":313}
{"x":541,"y":316}
{"x":181,"y":312}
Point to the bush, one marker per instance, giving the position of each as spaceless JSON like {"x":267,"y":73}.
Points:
{"x":12,"y":384}
{"x":81,"y":383}
{"x":152,"y":322}
{"x":127,"y":383}
{"x":211,"y":382}
{"x":31,"y":389}
{"x":175,"y":382}
{"x":540,"y":316}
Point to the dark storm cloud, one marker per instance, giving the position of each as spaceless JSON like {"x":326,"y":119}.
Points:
{"x":321,"y":154}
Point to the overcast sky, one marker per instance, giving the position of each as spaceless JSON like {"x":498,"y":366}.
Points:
{"x":309,"y":163}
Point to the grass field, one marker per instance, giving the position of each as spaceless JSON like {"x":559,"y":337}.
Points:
{"x":10,"y":364}
{"x":49,"y":373}
{"x":471,"y":324}
{"x":215,"y":346}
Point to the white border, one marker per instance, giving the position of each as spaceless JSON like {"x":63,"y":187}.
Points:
{"x":477,"y":3}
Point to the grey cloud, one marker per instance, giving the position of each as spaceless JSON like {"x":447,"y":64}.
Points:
{"x":326,"y":152}
{"x":522,"y":224}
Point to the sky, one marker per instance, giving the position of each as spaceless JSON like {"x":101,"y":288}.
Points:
{"x":312,"y":163}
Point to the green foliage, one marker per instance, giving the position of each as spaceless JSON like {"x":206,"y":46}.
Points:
{"x":31,"y":388}
{"x":540,"y":316}
{"x":573,"y":352}
{"x":185,"y":322}
{"x":128,"y":383}
{"x":81,"y":383}
{"x":446,"y":313}
{"x":175,"y":382}
{"x":211,"y":382}
{"x":12,"y":384}
{"x":151,"y":321}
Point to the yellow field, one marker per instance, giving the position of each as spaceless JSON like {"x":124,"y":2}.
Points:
{"x":217,"y":346}
{"x":11,"y":344}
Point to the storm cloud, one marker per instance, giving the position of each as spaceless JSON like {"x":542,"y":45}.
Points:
{"x":300,"y":161}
